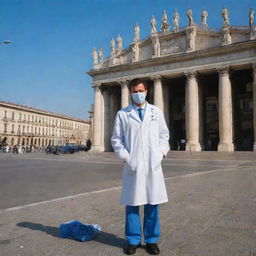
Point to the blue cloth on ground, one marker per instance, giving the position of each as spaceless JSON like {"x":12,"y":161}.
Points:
{"x":78,"y":231}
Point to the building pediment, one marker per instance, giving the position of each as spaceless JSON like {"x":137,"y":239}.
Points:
{"x":170,"y":43}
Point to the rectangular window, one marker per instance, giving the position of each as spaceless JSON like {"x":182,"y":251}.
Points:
{"x":5,"y":114}
{"x":13,"y":128}
{"x":5,"y":127}
{"x":12,"y":115}
{"x":20,"y":116}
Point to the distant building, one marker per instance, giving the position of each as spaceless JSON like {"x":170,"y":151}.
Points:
{"x":22,"y":125}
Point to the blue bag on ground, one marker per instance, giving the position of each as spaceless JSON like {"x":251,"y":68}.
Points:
{"x":78,"y":231}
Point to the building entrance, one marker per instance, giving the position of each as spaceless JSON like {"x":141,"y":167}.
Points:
{"x":243,"y":110}
{"x":209,"y":87}
{"x":176,"y":90}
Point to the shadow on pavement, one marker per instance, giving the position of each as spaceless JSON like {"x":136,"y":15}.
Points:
{"x":110,"y":239}
{"x":53,"y":231}
{"x":102,"y":237}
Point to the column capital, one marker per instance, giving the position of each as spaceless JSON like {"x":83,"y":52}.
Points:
{"x":96,"y":85}
{"x":105,"y":92}
{"x":124,"y":83}
{"x":191,"y":74}
{"x":156,"y":78}
{"x":223,"y":69}
{"x":254,"y":66}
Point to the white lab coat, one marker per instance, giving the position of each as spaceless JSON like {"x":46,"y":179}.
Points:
{"x":141,"y":146}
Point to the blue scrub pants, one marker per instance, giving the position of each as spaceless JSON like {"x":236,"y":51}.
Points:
{"x":151,"y":226}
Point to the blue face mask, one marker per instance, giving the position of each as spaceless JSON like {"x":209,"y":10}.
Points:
{"x":139,"y":97}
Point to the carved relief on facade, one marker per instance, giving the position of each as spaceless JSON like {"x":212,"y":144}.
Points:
{"x":226,"y":37}
{"x":156,"y":46}
{"x":191,"y":38}
{"x":135,"y":52}
{"x":172,"y":46}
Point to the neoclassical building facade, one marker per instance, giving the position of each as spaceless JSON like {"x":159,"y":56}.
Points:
{"x":204,"y":81}
{"x":27,"y":126}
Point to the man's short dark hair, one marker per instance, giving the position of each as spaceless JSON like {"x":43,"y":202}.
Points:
{"x":136,"y":82}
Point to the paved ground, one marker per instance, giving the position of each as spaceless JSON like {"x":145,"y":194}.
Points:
{"x":212,"y":207}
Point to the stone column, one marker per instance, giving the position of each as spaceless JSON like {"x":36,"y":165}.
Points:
{"x":107,"y":135}
{"x":201,"y":117}
{"x":96,"y":141}
{"x":124,"y":94}
{"x":225,"y":111}
{"x":158,"y":92}
{"x":166,"y":97}
{"x":192,"y":113}
{"x":102,"y":118}
{"x":254,"y":103}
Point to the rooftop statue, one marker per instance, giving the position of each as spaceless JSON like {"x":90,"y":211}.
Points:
{"x":95,"y":56}
{"x":204,"y":16}
{"x":101,"y":55}
{"x":251,"y":24}
{"x":119,"y":43}
{"x":176,"y":21}
{"x":251,"y":18}
{"x":136,"y":33}
{"x":112,"y":47}
{"x":165,"y":26}
{"x":225,"y":14}
{"x":153,"y":25}
{"x":190,"y":17}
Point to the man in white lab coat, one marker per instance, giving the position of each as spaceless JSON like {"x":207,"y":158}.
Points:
{"x":141,"y":140}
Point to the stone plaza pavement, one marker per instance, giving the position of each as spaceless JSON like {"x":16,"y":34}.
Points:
{"x":209,"y":213}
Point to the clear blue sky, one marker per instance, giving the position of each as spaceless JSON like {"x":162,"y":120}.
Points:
{"x":45,"y":65}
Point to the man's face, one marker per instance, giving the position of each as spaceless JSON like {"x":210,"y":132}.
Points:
{"x":139,"y":88}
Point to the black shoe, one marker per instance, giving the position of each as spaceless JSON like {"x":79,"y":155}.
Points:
{"x":131,"y":249}
{"x":152,"y":249}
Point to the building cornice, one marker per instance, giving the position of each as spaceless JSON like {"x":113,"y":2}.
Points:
{"x":179,"y":57}
{"x":40,"y":111}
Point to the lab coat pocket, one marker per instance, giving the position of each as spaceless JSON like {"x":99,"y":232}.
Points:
{"x":130,"y":165}
{"x":156,"y":160}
